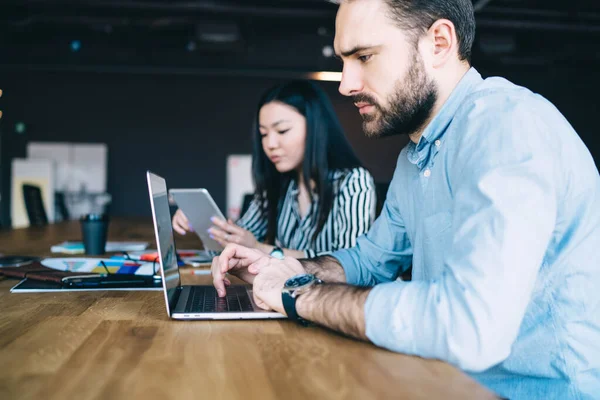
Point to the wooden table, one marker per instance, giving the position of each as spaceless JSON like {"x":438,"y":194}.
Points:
{"x":118,"y":345}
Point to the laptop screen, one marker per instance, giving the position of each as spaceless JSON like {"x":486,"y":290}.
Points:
{"x":165,"y":242}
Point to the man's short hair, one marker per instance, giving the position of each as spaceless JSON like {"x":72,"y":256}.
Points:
{"x":417,"y":16}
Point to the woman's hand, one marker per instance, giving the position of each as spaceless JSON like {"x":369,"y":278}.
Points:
{"x":181,"y":224}
{"x":226,"y":232}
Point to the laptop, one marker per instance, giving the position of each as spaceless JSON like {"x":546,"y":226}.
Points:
{"x":193,"y":302}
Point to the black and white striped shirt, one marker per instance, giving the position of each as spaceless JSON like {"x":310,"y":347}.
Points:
{"x":352,"y":213}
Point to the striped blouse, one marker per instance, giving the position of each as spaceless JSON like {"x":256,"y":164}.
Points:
{"x":351,"y":215}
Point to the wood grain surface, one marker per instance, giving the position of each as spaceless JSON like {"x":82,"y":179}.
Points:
{"x":121,"y":345}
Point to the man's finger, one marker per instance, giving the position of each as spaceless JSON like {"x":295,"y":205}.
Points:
{"x":255,"y":267}
{"x":244,"y":255}
{"x":218,"y":277}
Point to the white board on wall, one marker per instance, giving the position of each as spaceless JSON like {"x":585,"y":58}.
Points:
{"x":79,"y":166}
{"x":239,"y":182}
{"x":90,"y":161}
{"x":58,"y":152}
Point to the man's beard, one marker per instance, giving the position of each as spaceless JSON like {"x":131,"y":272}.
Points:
{"x":410,"y":105}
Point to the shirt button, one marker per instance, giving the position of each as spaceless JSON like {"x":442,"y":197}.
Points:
{"x":427,"y":173}
{"x":438,"y":143}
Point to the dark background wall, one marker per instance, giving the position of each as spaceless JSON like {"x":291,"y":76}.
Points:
{"x":179,"y":111}
{"x":184,"y":126}
{"x":181,"y":127}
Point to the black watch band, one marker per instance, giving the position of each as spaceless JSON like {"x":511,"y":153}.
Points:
{"x":289,"y":305}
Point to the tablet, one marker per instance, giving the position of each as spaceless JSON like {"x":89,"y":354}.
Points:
{"x":199,"y":207}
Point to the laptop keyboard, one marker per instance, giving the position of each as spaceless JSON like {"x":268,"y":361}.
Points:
{"x":205,"y":299}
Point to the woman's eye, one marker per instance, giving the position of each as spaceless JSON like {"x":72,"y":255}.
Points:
{"x":283,"y":131}
{"x":365,"y":58}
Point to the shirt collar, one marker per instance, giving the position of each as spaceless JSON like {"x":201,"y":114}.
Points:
{"x":420,"y":153}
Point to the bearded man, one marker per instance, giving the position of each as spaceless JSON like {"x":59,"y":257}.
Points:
{"x":495,"y":202}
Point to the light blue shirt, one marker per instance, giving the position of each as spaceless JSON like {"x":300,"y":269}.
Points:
{"x":498,"y":210}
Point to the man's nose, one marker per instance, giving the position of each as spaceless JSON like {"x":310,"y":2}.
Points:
{"x":351,"y":82}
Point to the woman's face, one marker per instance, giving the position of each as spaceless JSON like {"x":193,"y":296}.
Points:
{"x":283,"y":132}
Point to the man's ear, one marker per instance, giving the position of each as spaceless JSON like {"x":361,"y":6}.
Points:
{"x":445,"y":43}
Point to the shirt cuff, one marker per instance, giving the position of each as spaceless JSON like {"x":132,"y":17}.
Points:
{"x":308,"y":253}
{"x":346,"y":260}
{"x":386,"y":325}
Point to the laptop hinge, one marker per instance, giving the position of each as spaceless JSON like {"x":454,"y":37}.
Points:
{"x":173,"y":301}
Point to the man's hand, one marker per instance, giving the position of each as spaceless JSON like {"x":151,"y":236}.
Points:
{"x":268,"y":274}
{"x":270,"y":280}
{"x":237,"y":260}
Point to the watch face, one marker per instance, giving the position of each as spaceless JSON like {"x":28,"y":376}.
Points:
{"x":299,"y":280}
{"x":277,"y":253}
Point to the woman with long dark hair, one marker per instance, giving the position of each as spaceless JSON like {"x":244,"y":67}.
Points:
{"x":312,"y":194}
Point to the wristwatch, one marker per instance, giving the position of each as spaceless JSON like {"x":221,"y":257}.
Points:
{"x":294,"y":287}
{"x":277,"y":253}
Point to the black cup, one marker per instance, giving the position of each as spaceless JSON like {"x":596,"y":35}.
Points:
{"x":94,"y":228}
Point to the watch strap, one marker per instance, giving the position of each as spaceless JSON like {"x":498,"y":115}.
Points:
{"x":289,"y":305}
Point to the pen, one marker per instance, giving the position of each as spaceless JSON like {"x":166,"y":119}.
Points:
{"x":197,"y":272}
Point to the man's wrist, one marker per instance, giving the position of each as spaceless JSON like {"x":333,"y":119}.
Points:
{"x":295,"y":290}
{"x":303,"y":302}
{"x":311,"y":266}
{"x":326,"y":268}
{"x":336,"y":306}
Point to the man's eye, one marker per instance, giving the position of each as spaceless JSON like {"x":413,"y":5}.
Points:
{"x":365,"y":58}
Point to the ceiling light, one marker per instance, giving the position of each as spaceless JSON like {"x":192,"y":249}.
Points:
{"x":329,"y":76}
{"x":327,"y":51}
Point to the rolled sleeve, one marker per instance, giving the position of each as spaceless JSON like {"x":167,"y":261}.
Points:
{"x":385,"y":325}
{"x":350,"y":261}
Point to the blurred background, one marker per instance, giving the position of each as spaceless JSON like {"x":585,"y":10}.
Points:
{"x":171,"y":86}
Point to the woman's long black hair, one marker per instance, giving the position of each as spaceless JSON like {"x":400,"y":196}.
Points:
{"x":327,"y":149}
